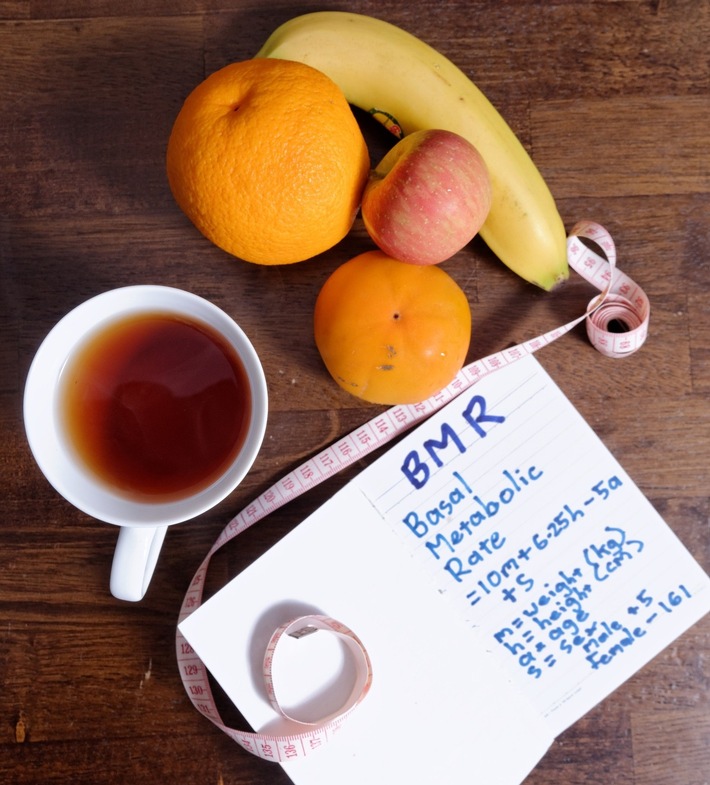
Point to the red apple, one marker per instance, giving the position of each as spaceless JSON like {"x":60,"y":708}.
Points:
{"x":427,"y":198}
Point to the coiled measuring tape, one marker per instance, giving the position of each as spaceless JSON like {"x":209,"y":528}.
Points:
{"x":617,"y":325}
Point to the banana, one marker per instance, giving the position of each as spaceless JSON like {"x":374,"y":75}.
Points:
{"x":404,"y":82}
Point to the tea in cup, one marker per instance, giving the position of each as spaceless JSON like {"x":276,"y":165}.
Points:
{"x":144,"y":407}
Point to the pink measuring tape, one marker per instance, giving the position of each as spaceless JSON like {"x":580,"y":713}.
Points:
{"x":617,"y":325}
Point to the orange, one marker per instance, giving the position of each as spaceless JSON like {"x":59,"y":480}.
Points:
{"x":391,"y":332}
{"x":268,"y":161}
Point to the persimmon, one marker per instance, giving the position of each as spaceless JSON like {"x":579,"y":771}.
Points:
{"x":391,"y":332}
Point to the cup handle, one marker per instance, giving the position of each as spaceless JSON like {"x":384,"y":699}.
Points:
{"x":134,"y":561}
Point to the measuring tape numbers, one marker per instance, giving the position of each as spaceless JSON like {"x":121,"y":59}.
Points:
{"x":281,"y":747}
{"x":617,"y":325}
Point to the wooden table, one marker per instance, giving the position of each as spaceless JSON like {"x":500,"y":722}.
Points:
{"x":613,"y":101}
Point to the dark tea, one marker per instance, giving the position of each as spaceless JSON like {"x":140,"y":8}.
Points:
{"x":155,"y":405}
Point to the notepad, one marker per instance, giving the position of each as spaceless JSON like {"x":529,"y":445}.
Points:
{"x":504,"y":573}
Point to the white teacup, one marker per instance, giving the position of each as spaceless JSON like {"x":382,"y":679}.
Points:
{"x":143,"y":522}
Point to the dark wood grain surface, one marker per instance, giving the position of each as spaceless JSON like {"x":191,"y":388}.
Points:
{"x":612,"y":98}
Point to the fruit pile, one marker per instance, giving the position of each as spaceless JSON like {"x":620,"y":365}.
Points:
{"x":268,"y":161}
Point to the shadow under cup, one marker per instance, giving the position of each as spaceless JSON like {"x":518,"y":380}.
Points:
{"x":48,"y":417}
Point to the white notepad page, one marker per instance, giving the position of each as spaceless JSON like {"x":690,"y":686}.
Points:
{"x":504,"y":573}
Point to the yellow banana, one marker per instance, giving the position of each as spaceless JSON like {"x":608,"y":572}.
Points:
{"x":388,"y":72}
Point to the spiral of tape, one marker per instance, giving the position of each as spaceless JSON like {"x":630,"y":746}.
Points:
{"x":618,"y":318}
{"x":307,"y":625}
{"x":309,"y":736}
{"x":617,"y":325}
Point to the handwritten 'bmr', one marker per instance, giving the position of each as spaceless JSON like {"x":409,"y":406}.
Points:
{"x":415,"y":468}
